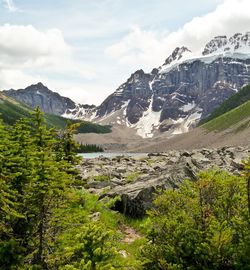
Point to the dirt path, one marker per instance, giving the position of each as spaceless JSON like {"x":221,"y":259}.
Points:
{"x":130,"y":234}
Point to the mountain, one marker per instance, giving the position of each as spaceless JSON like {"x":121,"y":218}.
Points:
{"x":11,"y":111}
{"x":49,"y":101}
{"x":187,"y":88}
{"x":172,"y":98}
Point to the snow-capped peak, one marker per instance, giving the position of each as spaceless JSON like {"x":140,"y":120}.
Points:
{"x":176,"y":55}
{"x":238,"y":43}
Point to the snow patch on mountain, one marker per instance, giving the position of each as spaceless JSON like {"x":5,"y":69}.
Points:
{"x":147,"y":124}
{"x":235,"y":47}
{"x":187,"y":123}
{"x":188,"y":107}
{"x":85,"y":112}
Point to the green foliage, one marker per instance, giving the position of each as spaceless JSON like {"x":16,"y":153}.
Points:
{"x":132,"y":177}
{"x":89,"y":148}
{"x":87,"y":127}
{"x":229,"y":119}
{"x":202,"y":225}
{"x":45,"y":221}
{"x":101,"y":178}
{"x":233,"y":102}
{"x":93,"y":249}
{"x":48,"y":221}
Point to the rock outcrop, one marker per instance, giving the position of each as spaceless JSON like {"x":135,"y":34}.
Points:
{"x":137,"y":180}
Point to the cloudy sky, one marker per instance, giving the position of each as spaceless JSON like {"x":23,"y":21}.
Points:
{"x":85,"y":49}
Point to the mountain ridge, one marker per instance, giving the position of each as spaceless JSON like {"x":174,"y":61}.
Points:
{"x":176,"y":96}
{"x":12,"y":110}
{"x":185,"y":89}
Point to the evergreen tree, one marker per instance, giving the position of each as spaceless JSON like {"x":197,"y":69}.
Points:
{"x":48,"y":186}
{"x":93,"y":250}
{"x":9,"y":247}
{"x":66,"y":146}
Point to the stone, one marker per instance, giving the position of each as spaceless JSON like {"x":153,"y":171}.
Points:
{"x":157,"y":173}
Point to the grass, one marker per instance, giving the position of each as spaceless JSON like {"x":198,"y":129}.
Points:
{"x":231,"y":103}
{"x":101,"y":178}
{"x":114,"y":221}
{"x":132,"y":177}
{"x":229,"y":119}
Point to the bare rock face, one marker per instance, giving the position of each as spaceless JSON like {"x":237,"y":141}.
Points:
{"x":39,"y":95}
{"x":176,"y":55}
{"x":137,"y":180}
{"x":135,"y":93}
{"x":185,"y":89}
{"x":51,"y":102}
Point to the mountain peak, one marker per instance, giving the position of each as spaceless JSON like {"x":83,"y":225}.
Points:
{"x":176,"y":55}
{"x":36,"y":87}
{"x":238,"y":43}
{"x":39,"y":84}
{"x":40,"y":95}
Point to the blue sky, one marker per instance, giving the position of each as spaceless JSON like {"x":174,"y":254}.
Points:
{"x":86,"y":49}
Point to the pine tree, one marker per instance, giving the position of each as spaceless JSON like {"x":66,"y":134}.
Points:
{"x":9,"y":246}
{"x":93,"y":250}
{"x":48,"y":186}
{"x":66,"y":145}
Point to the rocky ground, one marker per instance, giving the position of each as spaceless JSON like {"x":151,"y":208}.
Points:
{"x":136,"y":180}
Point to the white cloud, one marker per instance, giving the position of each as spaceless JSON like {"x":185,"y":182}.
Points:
{"x":148,"y":49}
{"x":9,"y":4}
{"x":25,"y":51}
{"x":26,"y":46}
{"x":15,"y":78}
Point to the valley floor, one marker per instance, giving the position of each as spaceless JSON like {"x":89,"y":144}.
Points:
{"x":126,"y":140}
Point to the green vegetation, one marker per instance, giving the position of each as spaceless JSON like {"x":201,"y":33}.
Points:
{"x":230,"y":118}
{"x":101,"y":178}
{"x":234,"y":101}
{"x":11,"y":111}
{"x":132,"y":177}
{"x":49,"y":221}
{"x":87,"y":127}
{"x":202,"y":225}
{"x":89,"y":148}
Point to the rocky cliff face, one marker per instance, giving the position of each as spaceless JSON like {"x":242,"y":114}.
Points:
{"x":186,"y":88}
{"x":51,"y":102}
{"x":39,"y":95}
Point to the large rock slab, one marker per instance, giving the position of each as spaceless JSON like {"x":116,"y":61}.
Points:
{"x":137,"y":180}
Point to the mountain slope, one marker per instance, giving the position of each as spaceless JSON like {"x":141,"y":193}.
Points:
{"x":229,"y":129}
{"x":11,"y":111}
{"x":185,"y":89}
{"x":234,"y":101}
{"x":172,"y":98}
{"x":229,"y":119}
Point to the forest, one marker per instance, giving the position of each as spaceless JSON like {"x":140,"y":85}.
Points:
{"x":48,"y":220}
